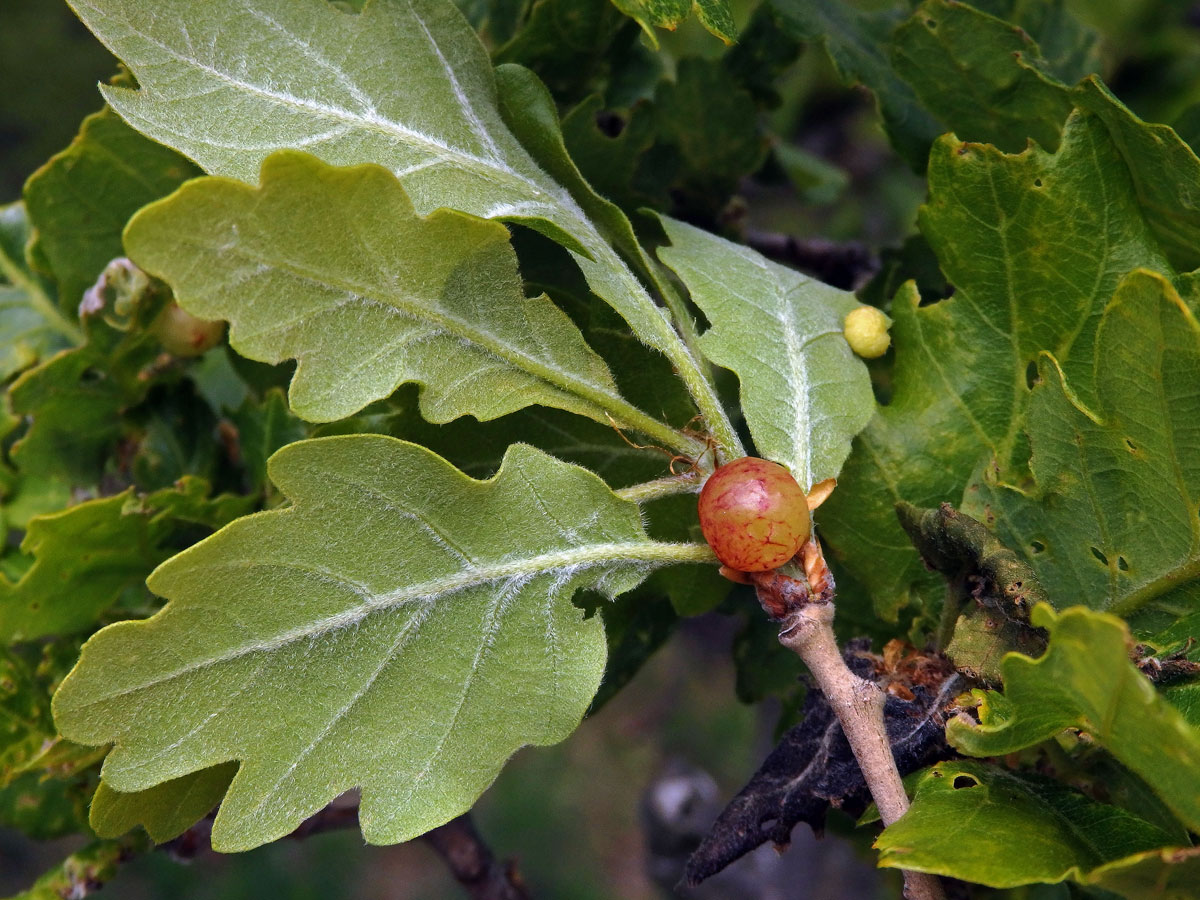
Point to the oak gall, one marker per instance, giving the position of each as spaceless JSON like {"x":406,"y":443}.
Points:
{"x":754,"y":515}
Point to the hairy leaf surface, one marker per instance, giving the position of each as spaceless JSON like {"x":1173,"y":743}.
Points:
{"x":1086,"y":681}
{"x":400,"y":628}
{"x":332,"y":267}
{"x":406,"y":85}
{"x":804,"y":392}
{"x":967,"y":818}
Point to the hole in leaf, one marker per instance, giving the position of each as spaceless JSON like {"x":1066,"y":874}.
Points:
{"x":1122,"y":564}
{"x":965,"y":781}
{"x":931,"y":24}
{"x":1131,"y":445}
{"x":610,"y":123}
{"x":1037,"y":182}
{"x":1037,"y":547}
{"x":1031,"y":374}
{"x":1100,"y":556}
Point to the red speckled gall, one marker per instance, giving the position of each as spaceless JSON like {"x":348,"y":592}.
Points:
{"x":754,"y":515}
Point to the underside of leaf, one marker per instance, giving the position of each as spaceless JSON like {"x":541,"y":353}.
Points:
{"x":400,"y":628}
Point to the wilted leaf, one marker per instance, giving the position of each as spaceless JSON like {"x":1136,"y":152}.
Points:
{"x":967,"y":819}
{"x":1086,"y":681}
{"x":399,"y":628}
{"x":990,"y":590}
{"x":804,"y":392}
{"x":814,"y":768}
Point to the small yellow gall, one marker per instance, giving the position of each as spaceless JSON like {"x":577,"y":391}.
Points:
{"x":866,"y":331}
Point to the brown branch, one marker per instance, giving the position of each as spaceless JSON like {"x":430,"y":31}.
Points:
{"x":847,"y":265}
{"x":803,"y":603}
{"x":458,"y":843}
{"x":472,"y":863}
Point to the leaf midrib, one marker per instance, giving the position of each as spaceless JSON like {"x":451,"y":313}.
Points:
{"x":575,"y":558}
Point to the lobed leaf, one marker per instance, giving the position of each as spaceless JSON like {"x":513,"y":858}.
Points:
{"x":405,"y":85}
{"x":87,"y":556}
{"x":967,"y":818}
{"x":1085,"y":681}
{"x":804,"y":393}
{"x":1112,"y":520}
{"x":857,"y":43}
{"x":166,"y":810}
{"x":1035,"y":245}
{"x":714,"y":15}
{"x":332,"y":267}
{"x":400,"y":628}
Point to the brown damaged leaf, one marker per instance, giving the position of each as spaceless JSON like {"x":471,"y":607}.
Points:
{"x":813,"y":767}
{"x":989,"y":589}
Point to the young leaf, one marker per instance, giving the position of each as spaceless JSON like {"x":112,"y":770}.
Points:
{"x":399,"y":628}
{"x":804,"y":393}
{"x":165,"y":810}
{"x":87,"y":556}
{"x":333,"y":268}
{"x":1112,"y":519}
{"x":1018,"y":237}
{"x":405,"y":85}
{"x":967,"y":817}
{"x":31,"y":326}
{"x":81,"y":199}
{"x":1085,"y":681}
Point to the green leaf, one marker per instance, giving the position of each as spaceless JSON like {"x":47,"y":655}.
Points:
{"x":986,"y":81}
{"x":804,"y":392}
{"x":1171,"y":874}
{"x":332,"y":267}
{"x":714,"y":15}
{"x":399,"y":628}
{"x":981,"y":76}
{"x":1035,"y":244}
{"x":1085,"y":681}
{"x":857,"y":42}
{"x":405,"y":85}
{"x":567,"y":43}
{"x":1113,"y":517}
{"x":31,"y":326}
{"x":264,"y":427}
{"x":81,"y":199}
{"x":86,"y":557}
{"x":166,"y":810}
{"x":967,"y":819}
